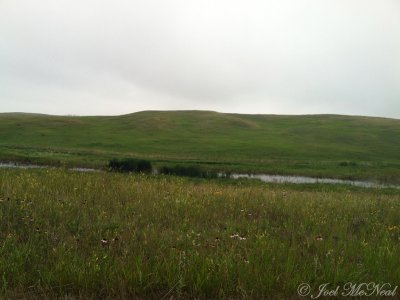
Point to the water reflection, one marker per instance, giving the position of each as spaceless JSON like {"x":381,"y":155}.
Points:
{"x":262,"y":177}
{"x":309,"y":180}
{"x":31,"y":166}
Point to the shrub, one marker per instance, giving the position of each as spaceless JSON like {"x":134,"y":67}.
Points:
{"x":189,"y":171}
{"x":129,"y":165}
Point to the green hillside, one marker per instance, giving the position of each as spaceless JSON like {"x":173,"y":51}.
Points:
{"x":320,"y":145}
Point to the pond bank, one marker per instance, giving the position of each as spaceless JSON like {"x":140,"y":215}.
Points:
{"x":263,"y":177}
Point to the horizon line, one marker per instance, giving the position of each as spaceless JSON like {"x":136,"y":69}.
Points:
{"x":195,"y":110}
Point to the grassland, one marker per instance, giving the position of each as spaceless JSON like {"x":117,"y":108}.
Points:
{"x":103,"y":235}
{"x":347,"y":147}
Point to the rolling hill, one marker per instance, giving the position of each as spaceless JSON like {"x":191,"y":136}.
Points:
{"x":319,"y":145}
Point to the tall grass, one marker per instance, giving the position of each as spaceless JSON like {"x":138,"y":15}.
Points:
{"x":106,"y":235}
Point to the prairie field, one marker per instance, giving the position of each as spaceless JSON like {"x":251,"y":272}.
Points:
{"x":334,"y":146}
{"x":104,"y":235}
{"x":198,"y":150}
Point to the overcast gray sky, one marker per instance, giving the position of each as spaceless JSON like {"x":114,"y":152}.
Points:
{"x":103,"y":57}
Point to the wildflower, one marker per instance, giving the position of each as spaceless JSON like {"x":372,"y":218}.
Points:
{"x":239,"y":237}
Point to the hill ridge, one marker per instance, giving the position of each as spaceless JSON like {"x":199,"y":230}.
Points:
{"x":270,"y":143}
{"x":201,"y":112}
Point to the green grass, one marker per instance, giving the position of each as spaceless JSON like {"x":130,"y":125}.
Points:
{"x":314,"y":145}
{"x":171,"y":237}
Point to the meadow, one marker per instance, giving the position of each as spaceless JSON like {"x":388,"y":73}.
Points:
{"x":105,"y":235}
{"x":347,"y":147}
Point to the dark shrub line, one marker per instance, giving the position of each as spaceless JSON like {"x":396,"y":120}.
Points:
{"x":130,"y":165}
{"x":188,"y":171}
{"x":144,"y":166}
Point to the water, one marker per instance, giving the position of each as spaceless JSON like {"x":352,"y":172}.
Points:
{"x":262,"y":177}
{"x":25,"y":166}
{"x":31,"y":166}
{"x":309,"y":180}
{"x":84,"y":170}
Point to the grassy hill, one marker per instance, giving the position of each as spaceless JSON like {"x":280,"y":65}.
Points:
{"x":319,"y":145}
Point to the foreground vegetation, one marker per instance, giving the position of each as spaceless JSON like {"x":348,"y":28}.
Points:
{"x":110,"y":235}
{"x":345,"y":147}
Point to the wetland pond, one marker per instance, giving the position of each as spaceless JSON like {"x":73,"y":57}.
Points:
{"x":311,"y":180}
{"x":263,"y":177}
{"x":13,"y":165}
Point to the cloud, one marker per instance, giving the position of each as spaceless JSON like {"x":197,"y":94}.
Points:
{"x":281,"y":56}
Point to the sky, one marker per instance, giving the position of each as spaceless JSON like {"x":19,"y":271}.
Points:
{"x":98,"y":57}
